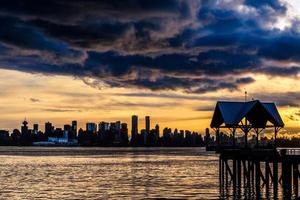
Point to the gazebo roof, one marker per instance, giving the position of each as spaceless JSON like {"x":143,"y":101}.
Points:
{"x":230,"y":114}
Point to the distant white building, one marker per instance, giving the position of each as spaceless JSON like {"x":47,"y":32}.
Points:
{"x":63,"y":140}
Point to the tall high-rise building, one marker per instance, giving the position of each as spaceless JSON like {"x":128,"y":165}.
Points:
{"x":67,"y":131}
{"x":147,"y":124}
{"x":157,"y":130}
{"x":124,"y":134}
{"x":24,"y":128}
{"x":134,"y":126}
{"x":124,"y":128}
{"x":74,"y":129}
{"x":147,"y":130}
{"x":118,"y":126}
{"x":91,"y":127}
{"x":103,"y":127}
{"x":35,"y":128}
{"x":48,"y":128}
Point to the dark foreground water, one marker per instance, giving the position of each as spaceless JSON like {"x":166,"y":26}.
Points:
{"x":114,"y":173}
{"x":107,"y":173}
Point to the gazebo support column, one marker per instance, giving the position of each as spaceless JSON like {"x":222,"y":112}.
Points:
{"x":257,"y":131}
{"x":233,"y":135}
{"x":246,"y":139}
{"x":275,"y":135}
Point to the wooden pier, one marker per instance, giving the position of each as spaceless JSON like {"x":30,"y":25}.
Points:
{"x":254,"y":168}
{"x":257,"y":169}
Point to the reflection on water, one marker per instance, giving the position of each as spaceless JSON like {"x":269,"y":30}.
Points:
{"x":114,"y":173}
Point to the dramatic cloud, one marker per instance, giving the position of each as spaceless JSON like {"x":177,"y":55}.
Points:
{"x":194,"y":46}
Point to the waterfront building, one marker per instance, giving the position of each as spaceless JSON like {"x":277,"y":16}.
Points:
{"x":24,"y":128}
{"x":134,"y":127}
{"x":91,"y":127}
{"x":48,"y":129}
{"x":147,"y":129}
{"x":74,"y":129}
{"x":35,"y":128}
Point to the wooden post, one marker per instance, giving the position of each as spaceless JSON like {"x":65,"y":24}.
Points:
{"x":275,"y":138}
{"x":286,"y":177}
{"x":229,"y":170}
{"x":275,"y":178}
{"x":233,"y":135}
{"x":289,"y":178}
{"x":246,"y":138}
{"x":257,"y":133}
{"x":222,"y":173}
{"x":239,"y":174}
{"x":267,"y":173}
{"x":257,"y":173}
{"x":245,"y":172}
{"x":218,"y":137}
{"x":248,"y":174}
{"x":257,"y":177}
{"x":226,"y":171}
{"x":295,"y":178}
{"x":234,"y":174}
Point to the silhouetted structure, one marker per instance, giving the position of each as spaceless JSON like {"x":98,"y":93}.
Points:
{"x":249,"y":167}
{"x":48,"y":129}
{"x":74,"y":129}
{"x":245,"y":116}
{"x":35,"y":128}
{"x":147,"y":131}
{"x":134,"y":129}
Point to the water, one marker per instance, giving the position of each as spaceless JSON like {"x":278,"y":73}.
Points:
{"x":108,"y":173}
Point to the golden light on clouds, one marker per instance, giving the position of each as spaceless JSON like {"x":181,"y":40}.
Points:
{"x":61,"y":99}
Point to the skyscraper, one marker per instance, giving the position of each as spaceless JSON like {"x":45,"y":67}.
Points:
{"x":147,"y":129}
{"x":157,"y":131}
{"x":124,"y":134}
{"x":74,"y":129}
{"x":24,"y":128}
{"x":134,"y":127}
{"x":48,"y":129}
{"x":103,"y":127}
{"x":91,"y":127}
{"x":67,"y":131}
{"x":147,"y":125}
{"x":35,"y":128}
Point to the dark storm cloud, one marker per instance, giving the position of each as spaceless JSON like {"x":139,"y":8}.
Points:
{"x":213,"y":62}
{"x":18,"y":33}
{"x":281,"y":71}
{"x":70,"y":11}
{"x":85,"y":35}
{"x":194,"y":46}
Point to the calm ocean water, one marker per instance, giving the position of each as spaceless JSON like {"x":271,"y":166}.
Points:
{"x":107,"y":173}
{"x":111,"y":173}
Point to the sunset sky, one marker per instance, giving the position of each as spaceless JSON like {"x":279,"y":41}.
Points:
{"x":170,"y":59}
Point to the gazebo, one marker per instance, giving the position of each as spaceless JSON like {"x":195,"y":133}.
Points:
{"x":246,"y":116}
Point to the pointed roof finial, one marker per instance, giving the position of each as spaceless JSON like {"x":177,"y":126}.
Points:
{"x":246,"y":95}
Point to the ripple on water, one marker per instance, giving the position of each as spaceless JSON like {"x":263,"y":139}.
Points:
{"x":114,"y":173}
